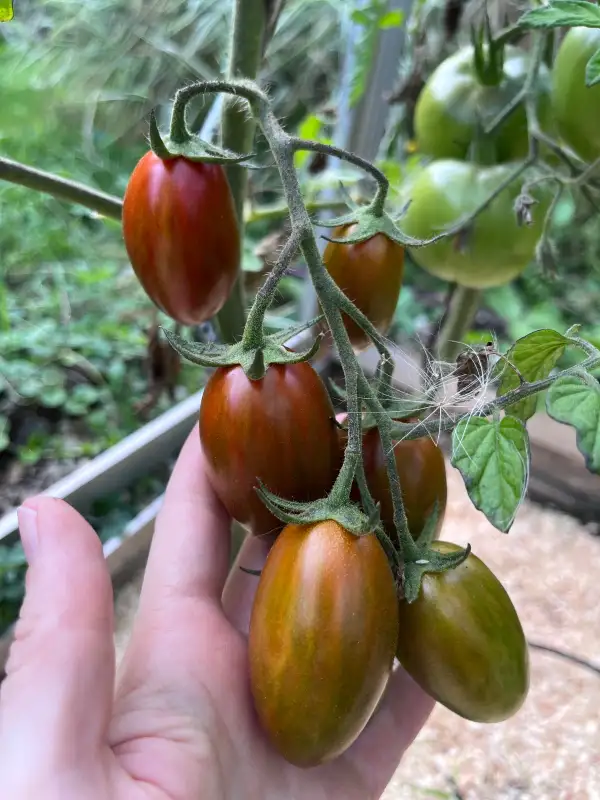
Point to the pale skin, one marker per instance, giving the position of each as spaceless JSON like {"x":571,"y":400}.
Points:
{"x":176,"y":721}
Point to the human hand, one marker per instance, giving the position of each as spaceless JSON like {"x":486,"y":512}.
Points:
{"x":178,"y":722}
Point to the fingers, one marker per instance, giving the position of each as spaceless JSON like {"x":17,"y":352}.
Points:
{"x":57,"y":698}
{"x":238,"y":595}
{"x":404,"y":710}
{"x":189,"y":557}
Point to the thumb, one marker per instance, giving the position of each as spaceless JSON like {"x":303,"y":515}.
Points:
{"x":56,"y":700}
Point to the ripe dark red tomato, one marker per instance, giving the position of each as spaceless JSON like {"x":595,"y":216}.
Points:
{"x":370,"y":274}
{"x":181,"y":235}
{"x":462,"y":641}
{"x":422,"y":471}
{"x":280,"y":429}
{"x":322,"y":638}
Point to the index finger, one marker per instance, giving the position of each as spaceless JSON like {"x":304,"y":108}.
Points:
{"x":189,"y":556}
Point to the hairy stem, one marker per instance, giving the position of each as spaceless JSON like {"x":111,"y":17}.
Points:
{"x":383,"y":184}
{"x":253,"y":330}
{"x":331,"y":300}
{"x":105,"y":204}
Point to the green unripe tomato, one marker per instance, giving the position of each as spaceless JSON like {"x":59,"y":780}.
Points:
{"x":454,"y":102}
{"x":495,"y":249}
{"x":462,"y":642}
{"x":577,"y":106}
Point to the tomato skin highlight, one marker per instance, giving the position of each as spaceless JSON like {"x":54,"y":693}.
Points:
{"x":462,"y":642}
{"x":370,"y":274}
{"x":323,"y":633}
{"x":577,"y":106}
{"x":495,"y":249}
{"x":280,"y":429}
{"x":181,"y":235}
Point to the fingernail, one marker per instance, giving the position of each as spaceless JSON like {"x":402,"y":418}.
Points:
{"x":28,"y":529}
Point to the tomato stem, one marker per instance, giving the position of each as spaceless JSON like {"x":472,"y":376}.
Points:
{"x":461,"y":313}
{"x":253,"y":331}
{"x":46,"y":182}
{"x":248,"y":40}
{"x":383,"y":184}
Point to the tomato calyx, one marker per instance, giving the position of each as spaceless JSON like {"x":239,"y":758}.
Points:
{"x":488,"y":54}
{"x":181,"y":142}
{"x":254,"y":358}
{"x":349,"y":515}
{"x":424,"y":559}
{"x":368,"y":221}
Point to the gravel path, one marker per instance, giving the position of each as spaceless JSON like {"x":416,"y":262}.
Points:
{"x":550,"y":750}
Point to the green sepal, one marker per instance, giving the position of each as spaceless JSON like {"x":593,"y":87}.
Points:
{"x":193,"y":148}
{"x":348,"y":515}
{"x":368,"y":223}
{"x":427,"y":534}
{"x":253,"y":360}
{"x":488,"y":54}
{"x":283,"y":336}
{"x":429,"y":561}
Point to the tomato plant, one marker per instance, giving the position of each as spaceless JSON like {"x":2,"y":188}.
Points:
{"x":181,"y":235}
{"x":455,"y":101}
{"x":462,"y":642}
{"x":280,"y":429}
{"x":323,"y":633}
{"x":490,"y":252}
{"x":422,"y":472}
{"x":370,"y":274}
{"x":577,"y":106}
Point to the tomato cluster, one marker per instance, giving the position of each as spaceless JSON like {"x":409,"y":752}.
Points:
{"x":328,"y":618}
{"x":458,"y":122}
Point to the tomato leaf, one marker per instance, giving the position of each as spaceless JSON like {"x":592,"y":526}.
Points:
{"x":493,"y":458}
{"x":535,"y":355}
{"x":575,"y":400}
{"x":562,"y":13}
{"x":592,"y":70}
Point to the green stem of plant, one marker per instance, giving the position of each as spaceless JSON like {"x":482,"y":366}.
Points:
{"x":331,"y":300}
{"x":47,"y":183}
{"x":253,"y":331}
{"x":238,"y":128}
{"x":461,"y":313}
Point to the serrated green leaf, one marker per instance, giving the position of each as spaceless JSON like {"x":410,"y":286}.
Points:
{"x":535,"y":356}
{"x":562,"y":13}
{"x":493,"y":458}
{"x":592,"y":70}
{"x":575,"y":400}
